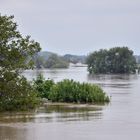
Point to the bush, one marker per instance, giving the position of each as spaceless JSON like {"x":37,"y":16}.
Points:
{"x":43,"y":86}
{"x":17,"y":94}
{"x":70,"y":91}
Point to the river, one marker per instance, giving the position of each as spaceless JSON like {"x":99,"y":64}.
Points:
{"x":119,"y":120}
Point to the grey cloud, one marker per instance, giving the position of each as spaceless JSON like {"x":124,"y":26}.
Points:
{"x":78,"y":26}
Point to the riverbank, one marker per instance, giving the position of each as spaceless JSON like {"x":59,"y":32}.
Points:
{"x":72,"y":105}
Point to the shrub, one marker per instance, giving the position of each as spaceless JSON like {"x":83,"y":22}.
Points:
{"x":17,"y":94}
{"x":43,"y":86}
{"x":69,"y":91}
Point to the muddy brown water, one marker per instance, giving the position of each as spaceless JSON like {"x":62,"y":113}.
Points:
{"x":119,"y":120}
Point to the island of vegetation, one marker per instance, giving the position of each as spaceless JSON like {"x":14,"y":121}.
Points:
{"x":117,"y":60}
{"x":69,"y":91}
{"x":16,"y":93}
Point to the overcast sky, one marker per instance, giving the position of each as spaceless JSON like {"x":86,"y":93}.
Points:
{"x":77,"y":26}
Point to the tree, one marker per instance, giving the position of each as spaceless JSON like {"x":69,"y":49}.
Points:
{"x":15,"y":54}
{"x":55,"y":61}
{"x":114,"y":60}
{"x":38,"y":61}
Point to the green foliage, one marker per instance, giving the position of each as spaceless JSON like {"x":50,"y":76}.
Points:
{"x":15,"y":91}
{"x":14,"y":49}
{"x":114,"y":60}
{"x":46,"y":59}
{"x":54,"y":61}
{"x":70,"y":91}
{"x":75,"y":58}
{"x":50,"y":61}
{"x":16,"y":94}
{"x":43,"y":86}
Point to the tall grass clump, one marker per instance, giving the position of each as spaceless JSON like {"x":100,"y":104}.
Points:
{"x":70,"y":91}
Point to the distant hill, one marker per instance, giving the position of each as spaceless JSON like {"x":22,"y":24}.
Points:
{"x":68,"y":57}
{"x":45,"y":54}
{"x":45,"y":59}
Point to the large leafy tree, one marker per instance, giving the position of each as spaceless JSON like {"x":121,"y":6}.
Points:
{"x":114,"y":60}
{"x":15,"y":54}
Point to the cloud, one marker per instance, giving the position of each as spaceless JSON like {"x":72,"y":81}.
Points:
{"x":77,"y":26}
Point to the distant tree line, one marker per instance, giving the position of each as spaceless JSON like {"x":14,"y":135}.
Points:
{"x":53,"y":61}
{"x":115,"y":60}
{"x":75,"y":58}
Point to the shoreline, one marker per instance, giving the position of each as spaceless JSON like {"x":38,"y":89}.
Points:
{"x":77,"y":105}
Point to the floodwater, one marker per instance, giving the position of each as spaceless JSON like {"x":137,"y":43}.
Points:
{"x":119,"y":120}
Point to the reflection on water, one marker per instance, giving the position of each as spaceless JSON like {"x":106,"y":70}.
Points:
{"x":118,"y":81}
{"x":21,"y":126}
{"x":117,"y":121}
{"x":54,"y":113}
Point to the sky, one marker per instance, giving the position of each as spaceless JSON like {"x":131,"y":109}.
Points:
{"x":77,"y":26}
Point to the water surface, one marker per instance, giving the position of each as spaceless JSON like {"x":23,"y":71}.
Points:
{"x":120,"y":120}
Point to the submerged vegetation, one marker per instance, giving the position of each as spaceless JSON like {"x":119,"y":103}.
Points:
{"x":69,"y":91}
{"x":18,"y":53}
{"x":16,"y":93}
{"x":115,"y":60}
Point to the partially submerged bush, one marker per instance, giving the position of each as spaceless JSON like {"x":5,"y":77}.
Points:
{"x":17,"y":94}
{"x":70,"y":91}
{"x":43,"y":86}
